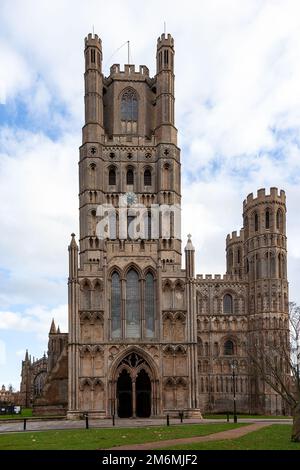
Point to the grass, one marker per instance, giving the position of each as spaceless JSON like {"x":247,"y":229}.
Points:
{"x":89,"y":439}
{"x":244,"y":416}
{"x":275,"y":437}
{"x":25,"y":413}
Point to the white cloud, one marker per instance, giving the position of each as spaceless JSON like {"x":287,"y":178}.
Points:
{"x":238,"y":115}
{"x":36,"y":320}
{"x":15,"y":74}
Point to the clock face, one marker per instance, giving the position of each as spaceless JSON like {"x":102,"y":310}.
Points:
{"x":130,"y":199}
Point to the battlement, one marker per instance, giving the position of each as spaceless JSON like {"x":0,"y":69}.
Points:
{"x":93,"y":40}
{"x":218,"y":277}
{"x":235,"y":237}
{"x":129,"y":72}
{"x":262,"y":196}
{"x":165,"y":40}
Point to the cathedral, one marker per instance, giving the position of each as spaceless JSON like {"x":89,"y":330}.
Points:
{"x":146,"y":336}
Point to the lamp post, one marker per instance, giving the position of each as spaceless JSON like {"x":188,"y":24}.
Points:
{"x":234,"y":367}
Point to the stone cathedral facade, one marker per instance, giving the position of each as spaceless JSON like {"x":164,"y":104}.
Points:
{"x":147,"y":337}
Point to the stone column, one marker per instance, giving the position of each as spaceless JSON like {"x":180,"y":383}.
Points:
{"x":133,"y":399}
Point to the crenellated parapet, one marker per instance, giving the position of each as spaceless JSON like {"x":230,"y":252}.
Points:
{"x":129,"y":72}
{"x":263,"y":197}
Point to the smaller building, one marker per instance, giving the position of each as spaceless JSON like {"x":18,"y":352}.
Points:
{"x":44,"y":380}
{"x":8,"y":397}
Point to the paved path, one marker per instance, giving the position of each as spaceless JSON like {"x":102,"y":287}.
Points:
{"x":218,"y":436}
{"x":43,"y":425}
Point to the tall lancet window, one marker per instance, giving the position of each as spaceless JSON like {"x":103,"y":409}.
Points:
{"x":133,"y":326}
{"x":150,"y":303}
{"x":129,"y":112}
{"x":115,"y":306}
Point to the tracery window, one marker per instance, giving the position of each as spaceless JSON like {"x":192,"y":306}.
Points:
{"x":134,"y":318}
{"x":129,"y":112}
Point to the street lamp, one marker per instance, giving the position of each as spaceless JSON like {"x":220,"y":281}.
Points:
{"x":234,"y":365}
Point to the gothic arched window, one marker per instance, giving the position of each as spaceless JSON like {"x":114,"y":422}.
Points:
{"x":86,"y":296}
{"x":133,"y":327}
{"x":273,"y":265}
{"x":267,"y":221}
{"x":256,"y":222}
{"x":150,"y":302}
{"x":227,"y":304}
{"x":112,"y":177}
{"x":129,"y":111}
{"x":246,"y":227}
{"x":166,"y":176}
{"x":279,"y":220}
{"x":228,"y":348}
{"x":130,"y":177}
{"x":230,"y":259}
{"x":147,"y":178}
{"x":115,"y":306}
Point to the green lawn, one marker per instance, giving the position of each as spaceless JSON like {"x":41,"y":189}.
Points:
{"x":242,"y":416}
{"x":275,"y":437}
{"x":104,"y":438}
{"x":25,"y":413}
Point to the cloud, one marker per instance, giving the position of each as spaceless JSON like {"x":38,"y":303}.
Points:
{"x":15,"y":74}
{"x":36,"y":319}
{"x":237,"y":112}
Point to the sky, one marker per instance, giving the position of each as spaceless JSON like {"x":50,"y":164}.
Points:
{"x":237,"y":73}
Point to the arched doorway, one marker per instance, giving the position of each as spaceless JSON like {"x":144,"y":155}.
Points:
{"x":124,"y":395}
{"x":135,"y":388}
{"x":143,"y":395}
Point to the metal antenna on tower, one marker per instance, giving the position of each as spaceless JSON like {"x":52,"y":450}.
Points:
{"x":165,"y":28}
{"x":93,"y":31}
{"x":128,"y":43}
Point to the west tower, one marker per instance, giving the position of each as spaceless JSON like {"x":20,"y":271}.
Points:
{"x":132,"y":343}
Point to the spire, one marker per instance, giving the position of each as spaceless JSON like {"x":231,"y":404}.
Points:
{"x":53,"y":327}
{"x":190,"y":258}
{"x":73,"y":243}
{"x":58,"y":330}
{"x":189,"y":245}
{"x":73,"y":258}
{"x":26,"y":355}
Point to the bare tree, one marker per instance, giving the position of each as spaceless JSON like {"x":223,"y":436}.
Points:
{"x":277,"y":360}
